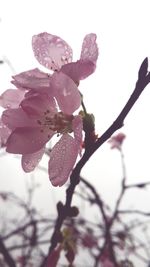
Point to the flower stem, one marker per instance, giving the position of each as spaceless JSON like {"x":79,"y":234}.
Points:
{"x":83,"y":106}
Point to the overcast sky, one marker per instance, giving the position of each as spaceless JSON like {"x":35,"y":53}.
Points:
{"x":123,"y":37}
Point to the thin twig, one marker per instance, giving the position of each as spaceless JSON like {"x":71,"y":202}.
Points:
{"x":8,"y":258}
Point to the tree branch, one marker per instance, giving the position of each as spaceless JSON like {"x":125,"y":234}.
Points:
{"x":4,"y":251}
{"x":63,"y":210}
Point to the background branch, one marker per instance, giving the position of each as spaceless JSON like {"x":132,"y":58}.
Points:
{"x":4,"y":251}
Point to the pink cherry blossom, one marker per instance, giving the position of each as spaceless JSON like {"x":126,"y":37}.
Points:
{"x":44,"y":103}
{"x":34,"y":123}
{"x":116,"y":141}
{"x":55,"y":54}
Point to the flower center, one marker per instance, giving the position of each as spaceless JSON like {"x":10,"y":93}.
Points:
{"x":57,"y":122}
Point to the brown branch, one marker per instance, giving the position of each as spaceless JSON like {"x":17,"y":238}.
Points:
{"x":63,"y":210}
{"x":107,"y":226}
{"x":98,"y":200}
{"x":138,"y":185}
{"x":7,"y":257}
{"x":144,"y":213}
{"x":24,"y":227}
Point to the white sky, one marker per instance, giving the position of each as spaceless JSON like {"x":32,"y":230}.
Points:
{"x":123,"y":36}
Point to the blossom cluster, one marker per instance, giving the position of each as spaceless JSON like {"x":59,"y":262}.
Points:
{"x":44,"y":104}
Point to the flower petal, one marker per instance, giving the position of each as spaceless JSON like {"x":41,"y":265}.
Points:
{"x":30,"y":161}
{"x":53,"y":257}
{"x":78,"y":70}
{"x":4,"y":133}
{"x":27,"y":140}
{"x":66,"y":93}
{"x":89,"y":48}
{"x":36,"y":105}
{"x":77,"y":126}
{"x":11,"y":98}
{"x":62,"y":159}
{"x":51,"y":51}
{"x":117,"y":140}
{"x":32,"y":79}
{"x":14,"y":118}
{"x":107,"y":263}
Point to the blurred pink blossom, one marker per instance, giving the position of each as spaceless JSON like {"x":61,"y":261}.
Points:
{"x":88,"y":240}
{"x":53,"y":258}
{"x":116,"y":141}
{"x":105,"y":258}
{"x":107,"y":263}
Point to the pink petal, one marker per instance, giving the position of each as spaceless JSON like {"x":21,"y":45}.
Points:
{"x":51,"y":51}
{"x":36,"y":105}
{"x":11,"y":98}
{"x":30,"y":161}
{"x":66,"y":93}
{"x":32,"y":79}
{"x":77,"y":126}
{"x":78,"y":70}
{"x":107,"y":263}
{"x":117,"y":140}
{"x":27,"y":140}
{"x":89,"y":240}
{"x":62,"y":159}
{"x":89,"y":48}
{"x":53,"y":258}
{"x":14,"y":118}
{"x":4,"y":134}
